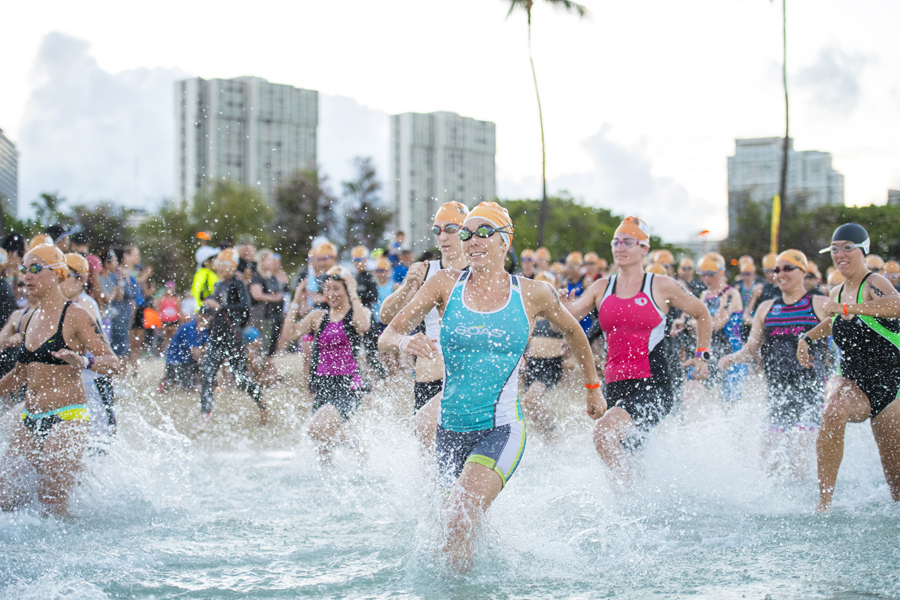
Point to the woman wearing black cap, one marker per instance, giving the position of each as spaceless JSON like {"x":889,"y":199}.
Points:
{"x":863,"y":315}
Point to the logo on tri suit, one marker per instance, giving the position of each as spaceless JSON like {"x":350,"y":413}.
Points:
{"x":640,"y":301}
{"x":478,"y":330}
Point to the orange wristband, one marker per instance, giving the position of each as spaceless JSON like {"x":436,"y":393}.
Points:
{"x":592,"y":386}
{"x":846,"y":314}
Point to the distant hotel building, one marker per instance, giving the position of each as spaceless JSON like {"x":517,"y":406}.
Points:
{"x":754,"y":173}
{"x":435,"y":158}
{"x":893,"y":197}
{"x":246,"y":130}
{"x":9,"y":176}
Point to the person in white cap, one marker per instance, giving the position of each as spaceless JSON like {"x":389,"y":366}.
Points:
{"x":205,"y":278}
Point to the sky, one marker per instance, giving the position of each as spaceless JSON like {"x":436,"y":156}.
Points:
{"x":642,"y":100}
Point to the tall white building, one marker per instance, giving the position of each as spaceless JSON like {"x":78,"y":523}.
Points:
{"x":246,"y":130}
{"x":755,"y":171}
{"x":9,"y":176}
{"x":435,"y":158}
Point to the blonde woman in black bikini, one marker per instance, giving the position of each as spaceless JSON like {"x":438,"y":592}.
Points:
{"x":54,"y":425}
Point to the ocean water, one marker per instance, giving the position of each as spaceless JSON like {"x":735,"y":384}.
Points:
{"x":238,"y":511}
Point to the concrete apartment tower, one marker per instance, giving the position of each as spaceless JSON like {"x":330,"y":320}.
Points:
{"x":244,"y":129}
{"x":435,"y":158}
{"x":9,"y":176}
{"x":754,"y":173}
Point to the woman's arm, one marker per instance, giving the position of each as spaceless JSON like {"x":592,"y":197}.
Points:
{"x":582,"y":306}
{"x":676,"y":296}
{"x":430,"y":295}
{"x":13,"y":381}
{"x":295,"y":329}
{"x":400,"y":297}
{"x":89,"y":335}
{"x":880,"y":299}
{"x":754,"y":342}
{"x":546,"y":303}
{"x":362,"y":316}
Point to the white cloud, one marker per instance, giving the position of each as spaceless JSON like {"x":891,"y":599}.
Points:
{"x":91,"y":135}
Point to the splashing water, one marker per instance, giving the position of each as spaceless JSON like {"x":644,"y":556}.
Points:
{"x":240,"y":511}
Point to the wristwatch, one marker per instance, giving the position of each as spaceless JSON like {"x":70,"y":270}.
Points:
{"x":804,"y":337}
{"x":703,"y":354}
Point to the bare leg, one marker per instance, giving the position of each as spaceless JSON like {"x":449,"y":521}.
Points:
{"x":325,"y":429}
{"x":692,"y":400}
{"x":474,"y":492}
{"x":60,"y":463}
{"x":609,"y":431}
{"x":426,"y":426}
{"x":886,"y":428}
{"x":844,"y":403}
{"x":15,"y":465}
{"x":540,"y":415}
{"x":135,"y":348}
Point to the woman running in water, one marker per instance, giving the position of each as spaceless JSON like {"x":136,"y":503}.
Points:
{"x":430,"y":371}
{"x":52,"y":438}
{"x":863,"y":314}
{"x":631,"y":309}
{"x":543,"y":366}
{"x":335,"y":376}
{"x":725,"y":307}
{"x":795,"y":392}
{"x":486,"y":320}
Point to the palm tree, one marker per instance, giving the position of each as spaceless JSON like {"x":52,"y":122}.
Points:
{"x":526,"y":6}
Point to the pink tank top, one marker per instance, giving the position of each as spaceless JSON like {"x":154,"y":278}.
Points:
{"x":168,"y":310}
{"x":336,"y":354}
{"x":633,"y":327}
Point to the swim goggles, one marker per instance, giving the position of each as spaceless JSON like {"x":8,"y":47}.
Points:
{"x":449,"y":228}
{"x":846,"y":248}
{"x":482,"y":231}
{"x":35,"y":268}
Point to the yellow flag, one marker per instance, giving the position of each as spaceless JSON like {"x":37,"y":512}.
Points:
{"x":776,"y":221}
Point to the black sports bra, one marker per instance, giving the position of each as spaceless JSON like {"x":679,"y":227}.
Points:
{"x":43,"y":352}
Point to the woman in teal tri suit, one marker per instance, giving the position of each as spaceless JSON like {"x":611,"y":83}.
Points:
{"x":487,"y":316}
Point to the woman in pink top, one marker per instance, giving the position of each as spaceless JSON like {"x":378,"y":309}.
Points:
{"x":334,"y":371}
{"x":632,"y":307}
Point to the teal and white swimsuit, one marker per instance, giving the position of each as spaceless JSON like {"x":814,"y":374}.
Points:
{"x":481,"y":419}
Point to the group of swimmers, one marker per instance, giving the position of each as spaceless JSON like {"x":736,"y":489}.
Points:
{"x":470,"y":326}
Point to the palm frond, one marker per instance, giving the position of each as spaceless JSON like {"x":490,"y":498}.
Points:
{"x":569,"y":6}
{"x":513,"y":4}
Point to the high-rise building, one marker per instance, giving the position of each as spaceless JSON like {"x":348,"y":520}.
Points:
{"x":435,"y":158}
{"x":893,"y":197}
{"x":9,"y":176}
{"x":754,"y":173}
{"x":245,"y":130}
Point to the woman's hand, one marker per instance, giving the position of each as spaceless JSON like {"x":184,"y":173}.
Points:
{"x":701,"y":370}
{"x":803,"y":356}
{"x":726,"y":361}
{"x":596,"y":403}
{"x":71,"y":357}
{"x":419,"y":345}
{"x":14,"y":340}
{"x":832,"y":308}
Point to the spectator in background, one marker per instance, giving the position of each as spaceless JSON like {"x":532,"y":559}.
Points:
{"x":116,"y":314}
{"x":14,"y":244}
{"x":402,"y":268}
{"x":169,"y":314}
{"x":396,"y":247}
{"x":386,"y":287}
{"x":60,"y":236}
{"x":247,"y":262}
{"x":527,"y":262}
{"x":204,"y":278}
{"x":541,"y":259}
{"x":366,"y":286}
{"x":267,"y":293}
{"x":134,"y":278}
{"x":79,"y":242}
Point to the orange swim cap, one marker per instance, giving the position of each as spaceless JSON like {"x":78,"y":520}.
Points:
{"x":53,"y":259}
{"x":835,"y":278}
{"x":686,"y":262}
{"x":542,"y":252}
{"x":326,"y":249}
{"x":873,"y":262}
{"x":656,"y":269}
{"x":591,"y":258}
{"x":40,"y":239}
{"x":495,"y":214}
{"x":547,"y":277}
{"x":636,"y":227}
{"x":892,"y":266}
{"x":712,"y":262}
{"x":452,"y":212}
{"x":228,"y":255}
{"x":382,"y":264}
{"x":746,"y":265}
{"x":795,"y":257}
{"x":574,"y":258}
{"x":663,"y":257}
{"x":359,"y":252}
{"x":769,"y":260}
{"x":78,"y":263}
{"x":527,"y":253}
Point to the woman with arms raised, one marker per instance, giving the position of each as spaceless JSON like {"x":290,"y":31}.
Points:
{"x":486,"y":319}
{"x":59,"y":339}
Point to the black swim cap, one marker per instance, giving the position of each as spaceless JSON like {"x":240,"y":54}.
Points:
{"x":851,"y":232}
